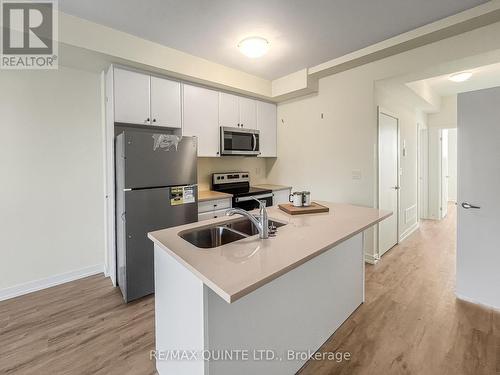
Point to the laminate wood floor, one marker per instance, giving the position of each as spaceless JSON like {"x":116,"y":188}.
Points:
{"x":82,"y":327}
{"x":411,"y":323}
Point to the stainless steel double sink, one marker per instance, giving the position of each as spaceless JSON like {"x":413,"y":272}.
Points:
{"x":222,"y":233}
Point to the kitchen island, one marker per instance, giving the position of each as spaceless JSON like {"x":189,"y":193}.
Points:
{"x":254,"y":306}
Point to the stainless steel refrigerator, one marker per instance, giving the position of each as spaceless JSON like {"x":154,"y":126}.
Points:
{"x":156,"y":177}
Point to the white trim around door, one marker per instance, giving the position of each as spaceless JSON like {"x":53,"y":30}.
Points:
{"x":388,"y":140}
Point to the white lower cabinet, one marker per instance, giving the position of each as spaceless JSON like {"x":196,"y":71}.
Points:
{"x":213,"y":208}
{"x":211,"y":214}
{"x":281,"y":196}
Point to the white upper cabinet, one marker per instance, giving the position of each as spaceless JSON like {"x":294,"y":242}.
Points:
{"x":149,"y":100}
{"x":131,"y":90}
{"x":143,"y":99}
{"x":267,"y":125}
{"x":248,"y":113}
{"x":165,"y":102}
{"x":229,"y":111}
{"x":201,"y":118}
{"x":236,"y":111}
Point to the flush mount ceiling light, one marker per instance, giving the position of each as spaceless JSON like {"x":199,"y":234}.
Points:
{"x":254,"y":46}
{"x":460,"y":77}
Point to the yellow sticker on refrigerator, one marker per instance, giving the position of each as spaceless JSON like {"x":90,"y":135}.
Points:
{"x":182,"y":195}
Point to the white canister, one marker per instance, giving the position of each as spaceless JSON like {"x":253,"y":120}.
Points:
{"x":296,"y":199}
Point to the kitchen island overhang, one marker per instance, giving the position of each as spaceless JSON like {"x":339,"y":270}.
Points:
{"x":281,"y":295}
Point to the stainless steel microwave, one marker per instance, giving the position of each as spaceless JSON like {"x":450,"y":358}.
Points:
{"x":239,"y":141}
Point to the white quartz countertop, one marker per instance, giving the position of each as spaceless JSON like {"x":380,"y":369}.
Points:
{"x":210,"y":195}
{"x":273,"y":187}
{"x":236,"y":269}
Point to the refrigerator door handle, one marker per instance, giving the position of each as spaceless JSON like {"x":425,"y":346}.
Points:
{"x":123,"y":217}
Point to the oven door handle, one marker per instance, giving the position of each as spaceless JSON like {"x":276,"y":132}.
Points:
{"x":245,"y":199}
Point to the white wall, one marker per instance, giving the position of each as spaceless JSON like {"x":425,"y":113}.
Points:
{"x":51,"y":200}
{"x":207,"y":166}
{"x":447,"y":116}
{"x":320,"y":154}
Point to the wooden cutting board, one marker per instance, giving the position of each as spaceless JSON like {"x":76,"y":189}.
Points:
{"x":314,"y":208}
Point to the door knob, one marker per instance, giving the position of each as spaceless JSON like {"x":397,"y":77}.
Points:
{"x":468,"y":205}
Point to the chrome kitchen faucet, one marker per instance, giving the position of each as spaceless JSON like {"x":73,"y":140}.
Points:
{"x":261,"y":221}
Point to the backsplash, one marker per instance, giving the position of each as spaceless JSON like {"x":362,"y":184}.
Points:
{"x":206,"y":166}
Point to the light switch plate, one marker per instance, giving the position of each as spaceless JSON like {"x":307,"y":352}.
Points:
{"x":356,"y":174}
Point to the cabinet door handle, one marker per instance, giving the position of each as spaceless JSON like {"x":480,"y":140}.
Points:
{"x":154,"y":120}
{"x":147,"y":120}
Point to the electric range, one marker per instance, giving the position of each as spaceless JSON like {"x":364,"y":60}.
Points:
{"x":238,"y":184}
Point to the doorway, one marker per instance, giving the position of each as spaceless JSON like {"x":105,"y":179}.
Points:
{"x":388,"y":179}
{"x":442,"y":171}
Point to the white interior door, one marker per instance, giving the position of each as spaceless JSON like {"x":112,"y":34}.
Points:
{"x":388,"y":180}
{"x":444,"y":173}
{"x":478,"y":249}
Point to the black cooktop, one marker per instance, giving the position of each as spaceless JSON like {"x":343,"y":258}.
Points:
{"x":236,"y":183}
{"x":253,"y":191}
{"x":240,"y":190}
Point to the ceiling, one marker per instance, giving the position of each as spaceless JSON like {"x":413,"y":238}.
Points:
{"x":302,"y":33}
{"x":482,"y":77}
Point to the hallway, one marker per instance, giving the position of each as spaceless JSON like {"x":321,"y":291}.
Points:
{"x":411,"y":322}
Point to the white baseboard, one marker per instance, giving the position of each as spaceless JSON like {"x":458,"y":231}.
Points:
{"x":470,"y":300}
{"x":409,"y":231}
{"x":106,"y":271}
{"x":371,"y":259}
{"x":33,"y":286}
